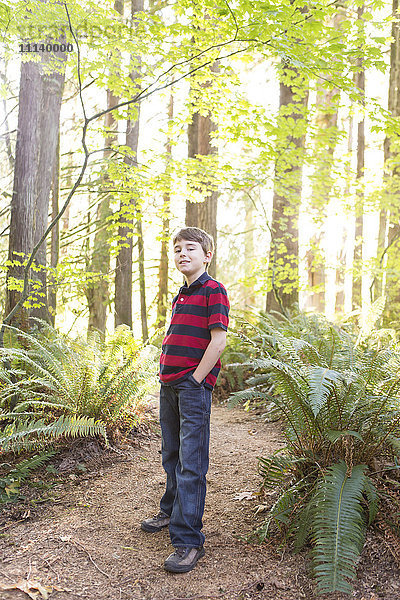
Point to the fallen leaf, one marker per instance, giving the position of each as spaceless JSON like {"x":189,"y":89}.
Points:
{"x":28,"y":587}
{"x":244,"y":496}
{"x":262,"y":508}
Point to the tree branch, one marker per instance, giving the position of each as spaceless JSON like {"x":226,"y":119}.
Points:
{"x":145,"y":93}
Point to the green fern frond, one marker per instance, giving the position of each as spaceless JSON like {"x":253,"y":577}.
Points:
{"x":30,"y":433}
{"x":274,"y":469}
{"x":368,"y":320}
{"x":7,"y":416}
{"x":333,"y":435}
{"x":307,"y":352}
{"x":303,"y":526}
{"x":338,"y":527}
{"x":321,"y":382}
{"x":283,"y":511}
{"x":372,"y":497}
{"x":24,"y":468}
{"x":36,"y":404}
{"x":244,"y":396}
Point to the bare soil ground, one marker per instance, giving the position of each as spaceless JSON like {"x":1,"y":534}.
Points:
{"x":87,"y":542}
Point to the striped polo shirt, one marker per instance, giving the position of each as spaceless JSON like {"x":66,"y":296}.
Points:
{"x":196,"y":310}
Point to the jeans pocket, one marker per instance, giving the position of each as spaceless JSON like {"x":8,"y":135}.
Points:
{"x":193,"y":380}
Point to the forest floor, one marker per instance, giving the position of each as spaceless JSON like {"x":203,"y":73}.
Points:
{"x":87,"y":542}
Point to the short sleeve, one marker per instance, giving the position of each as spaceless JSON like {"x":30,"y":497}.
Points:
{"x":218,"y":308}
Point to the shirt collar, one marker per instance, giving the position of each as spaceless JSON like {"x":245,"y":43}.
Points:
{"x":199,"y":282}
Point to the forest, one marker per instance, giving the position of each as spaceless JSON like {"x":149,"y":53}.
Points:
{"x":275,"y":127}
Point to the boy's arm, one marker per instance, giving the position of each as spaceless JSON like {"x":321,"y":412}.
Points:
{"x":211,"y":354}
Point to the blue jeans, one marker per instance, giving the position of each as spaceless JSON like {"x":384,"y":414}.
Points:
{"x":185,"y":426}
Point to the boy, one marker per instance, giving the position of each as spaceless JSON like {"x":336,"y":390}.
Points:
{"x":189,"y":366}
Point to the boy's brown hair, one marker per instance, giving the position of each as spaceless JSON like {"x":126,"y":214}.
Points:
{"x":194,"y":234}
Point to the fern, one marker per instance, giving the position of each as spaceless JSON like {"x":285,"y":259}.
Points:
{"x":338,"y":527}
{"x":284,"y":511}
{"x":303,"y":526}
{"x":372,"y":498}
{"x":101,"y":381}
{"x":32,"y":433}
{"x":321,"y":384}
{"x":10,"y":481}
{"x":338,"y":401}
{"x":274,"y":469}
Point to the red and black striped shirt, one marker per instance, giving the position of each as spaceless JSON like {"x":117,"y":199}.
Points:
{"x":196,"y":310}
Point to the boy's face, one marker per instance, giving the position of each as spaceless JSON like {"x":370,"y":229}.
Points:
{"x":190,"y":259}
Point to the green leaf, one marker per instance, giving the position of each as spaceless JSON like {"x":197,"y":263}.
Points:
{"x":321,"y":381}
{"x":372,"y":496}
{"x":333,"y":435}
{"x":338,"y":527}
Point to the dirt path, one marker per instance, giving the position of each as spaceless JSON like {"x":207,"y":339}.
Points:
{"x":89,"y":544}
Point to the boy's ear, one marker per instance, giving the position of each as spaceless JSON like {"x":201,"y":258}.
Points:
{"x":208,"y":257}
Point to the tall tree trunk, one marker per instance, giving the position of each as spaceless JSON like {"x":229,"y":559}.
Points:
{"x":25,"y":173}
{"x":284,"y":247}
{"x":203,"y":214}
{"x":359,"y":208}
{"x":389,"y":229}
{"x":142,"y":280}
{"x":38,"y":126}
{"x":55,"y":238}
{"x":123,"y":273}
{"x":53,"y":87}
{"x":325,"y":144}
{"x":342,"y":257}
{"x":193,"y":150}
{"x":65,"y":220}
{"x":6,"y":135}
{"x":162,"y":295}
{"x":97,"y":291}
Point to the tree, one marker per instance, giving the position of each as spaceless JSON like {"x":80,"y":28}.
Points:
{"x":249,"y":224}
{"x":97,"y":291}
{"x":162,"y":295}
{"x":289,"y":152}
{"x":342,"y":255}
{"x":359,"y":79}
{"x":128,"y":210}
{"x":325,"y":142}
{"x":200,"y":136}
{"x":41,"y":88}
{"x":389,"y":229}
{"x":55,"y":237}
{"x":324,"y":146}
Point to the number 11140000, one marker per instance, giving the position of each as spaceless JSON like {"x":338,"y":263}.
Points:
{"x":28,"y":47}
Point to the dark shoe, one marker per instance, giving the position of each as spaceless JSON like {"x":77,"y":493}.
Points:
{"x":155,"y":523}
{"x":183,"y":559}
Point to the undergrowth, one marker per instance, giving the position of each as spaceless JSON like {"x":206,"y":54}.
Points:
{"x":336,"y":391}
{"x":52,"y":387}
